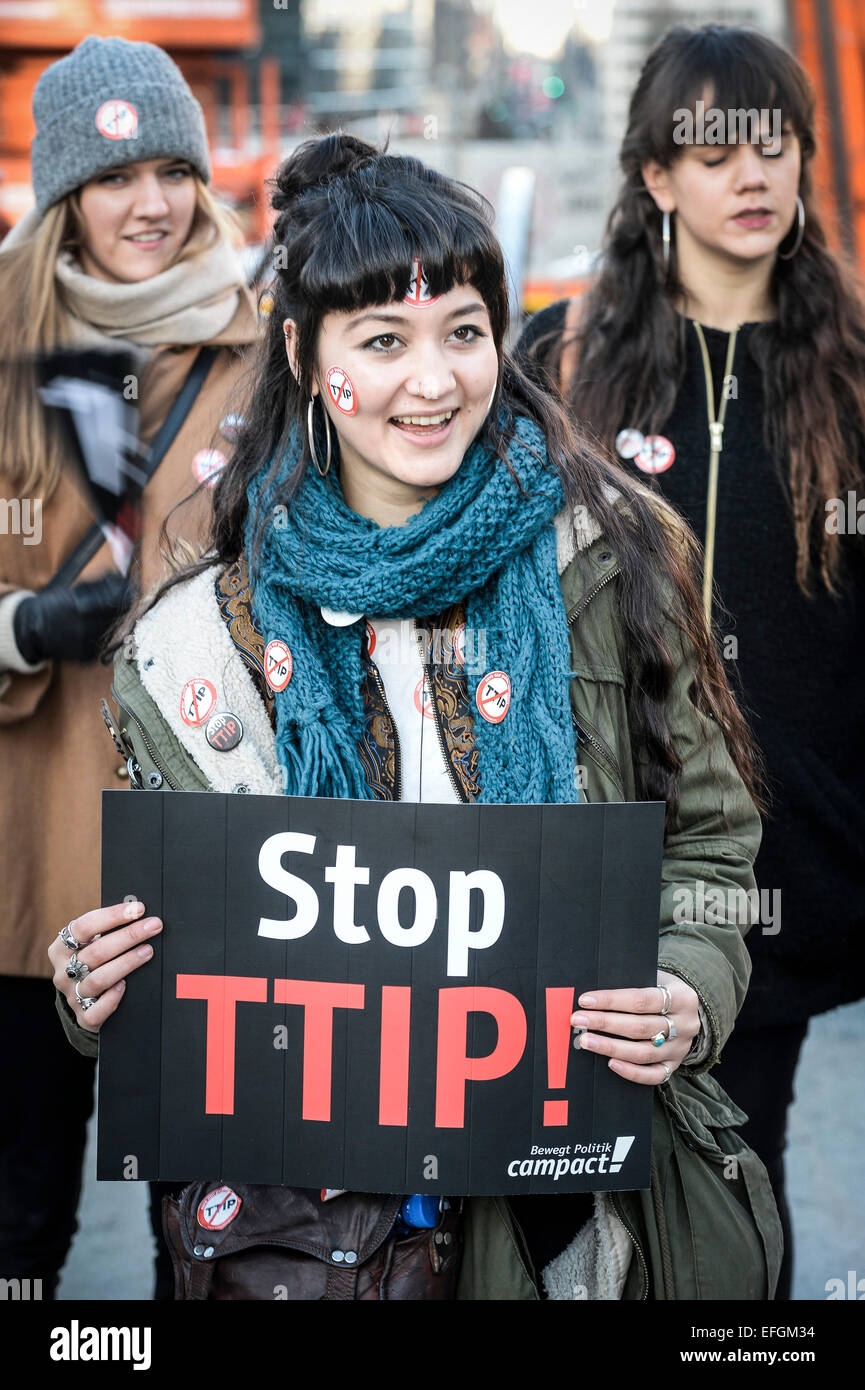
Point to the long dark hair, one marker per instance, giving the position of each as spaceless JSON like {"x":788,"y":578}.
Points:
{"x":631,"y":342}
{"x":350,"y":221}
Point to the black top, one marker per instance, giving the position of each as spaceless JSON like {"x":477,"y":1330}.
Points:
{"x":800,"y":665}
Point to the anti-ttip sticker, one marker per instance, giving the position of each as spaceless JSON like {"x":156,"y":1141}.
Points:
{"x":341,"y":391}
{"x":218,"y":1208}
{"x":117,"y":120}
{"x":418,"y":290}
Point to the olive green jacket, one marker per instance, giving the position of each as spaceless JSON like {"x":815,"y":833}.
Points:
{"x":675,"y":1246}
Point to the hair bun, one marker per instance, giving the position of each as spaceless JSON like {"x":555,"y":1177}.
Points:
{"x":315,"y":161}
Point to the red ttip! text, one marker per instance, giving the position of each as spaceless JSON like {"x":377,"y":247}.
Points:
{"x":454,"y":1068}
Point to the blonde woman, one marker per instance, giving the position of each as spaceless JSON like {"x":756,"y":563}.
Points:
{"x":125,"y":248}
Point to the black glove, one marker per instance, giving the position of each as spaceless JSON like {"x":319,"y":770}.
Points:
{"x":70,"y":624}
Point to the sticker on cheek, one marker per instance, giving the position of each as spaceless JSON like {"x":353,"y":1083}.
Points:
{"x":418,"y":290}
{"x":340,"y":390}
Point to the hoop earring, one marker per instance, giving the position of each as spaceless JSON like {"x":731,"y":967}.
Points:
{"x":800,"y":232}
{"x":310,"y":433}
{"x":665,"y":241}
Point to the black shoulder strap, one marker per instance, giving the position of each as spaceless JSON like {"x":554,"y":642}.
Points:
{"x":160,"y":444}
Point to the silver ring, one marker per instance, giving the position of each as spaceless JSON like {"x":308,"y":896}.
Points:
{"x":668,"y":999}
{"x":68,"y":939}
{"x":77,"y":969}
{"x":674,"y":1032}
{"x":668,"y":1073}
{"x":85,"y":1003}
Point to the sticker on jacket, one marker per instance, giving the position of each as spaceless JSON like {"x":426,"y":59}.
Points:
{"x":218,"y":1208}
{"x":493,"y":697}
{"x":278,"y":665}
{"x":197,"y":701}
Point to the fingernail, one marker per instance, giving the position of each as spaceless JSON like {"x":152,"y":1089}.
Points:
{"x":586,"y":1040}
{"x":587,"y":1001}
{"x":120,"y":986}
{"x":134,"y":909}
{"x":154,"y":926}
{"x":145,"y":951}
{"x":580,"y":1020}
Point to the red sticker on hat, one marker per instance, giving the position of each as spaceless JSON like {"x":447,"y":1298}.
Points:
{"x":370,"y":638}
{"x":218,"y":1208}
{"x":207,"y":464}
{"x":278,"y":665}
{"x":423,"y":699}
{"x":340,"y":390}
{"x":656,"y":455}
{"x":117,"y":120}
{"x":418,"y":290}
{"x":493,"y":697}
{"x":197,"y":701}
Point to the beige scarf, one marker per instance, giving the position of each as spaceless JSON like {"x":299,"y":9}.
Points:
{"x":191,"y":302}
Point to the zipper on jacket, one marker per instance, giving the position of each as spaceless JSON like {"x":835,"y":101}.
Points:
{"x":396,"y":745}
{"x":595,"y":740}
{"x":428,"y":672}
{"x":152,"y":753}
{"x":614,"y":1198}
{"x":587,"y":598}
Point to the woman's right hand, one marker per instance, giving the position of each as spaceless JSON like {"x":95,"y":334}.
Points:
{"x":114,"y":942}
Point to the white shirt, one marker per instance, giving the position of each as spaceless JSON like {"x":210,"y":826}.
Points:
{"x":396,"y":653}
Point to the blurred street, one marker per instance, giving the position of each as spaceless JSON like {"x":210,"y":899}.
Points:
{"x":827,"y":1138}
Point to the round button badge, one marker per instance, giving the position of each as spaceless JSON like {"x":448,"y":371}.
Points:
{"x":656,"y":455}
{"x":117,"y":120}
{"x":423,"y":699}
{"x":218,"y":1208}
{"x":493,"y":696}
{"x":335,"y":618}
{"x":207,"y":464}
{"x":197,"y":701}
{"x":629,"y":443}
{"x":224,"y":731}
{"x":278,"y":665}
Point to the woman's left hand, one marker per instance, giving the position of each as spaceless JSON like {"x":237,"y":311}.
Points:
{"x":622,"y":1023}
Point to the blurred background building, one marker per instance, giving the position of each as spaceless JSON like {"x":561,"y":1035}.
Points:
{"x":480,"y":88}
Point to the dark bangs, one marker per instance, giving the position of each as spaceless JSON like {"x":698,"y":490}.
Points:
{"x":731,"y":69}
{"x":386,"y":215}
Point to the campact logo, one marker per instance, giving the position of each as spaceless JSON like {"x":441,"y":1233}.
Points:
{"x":555,"y":1161}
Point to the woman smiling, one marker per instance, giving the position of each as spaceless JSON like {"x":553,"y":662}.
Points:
{"x":397,"y":467}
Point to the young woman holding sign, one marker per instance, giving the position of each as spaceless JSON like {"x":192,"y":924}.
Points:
{"x":397,"y":466}
{"x":750,"y":332}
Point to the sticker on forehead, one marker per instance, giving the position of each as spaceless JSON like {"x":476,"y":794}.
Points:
{"x":340,"y":390}
{"x":117,"y":120}
{"x":418,"y":290}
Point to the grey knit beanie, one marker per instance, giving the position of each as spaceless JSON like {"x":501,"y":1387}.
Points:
{"x":111,"y":102}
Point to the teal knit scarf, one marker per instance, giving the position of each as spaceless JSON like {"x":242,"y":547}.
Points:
{"x":487,"y":540}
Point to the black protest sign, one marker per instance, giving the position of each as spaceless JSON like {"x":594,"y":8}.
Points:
{"x":376,"y":995}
